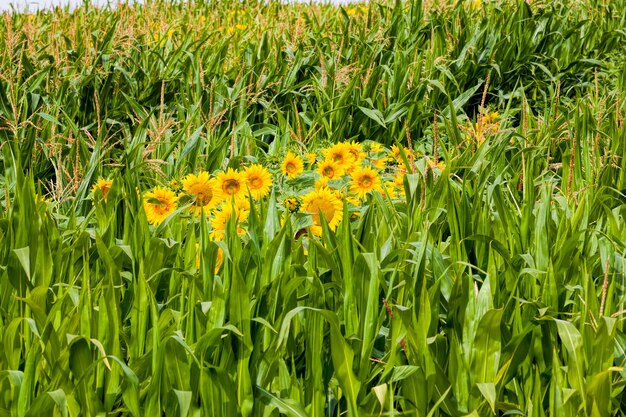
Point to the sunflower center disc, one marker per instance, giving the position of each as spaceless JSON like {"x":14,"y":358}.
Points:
{"x":231,"y":186}
{"x":204,"y":198}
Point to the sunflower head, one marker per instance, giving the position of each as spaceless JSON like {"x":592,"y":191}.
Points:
{"x":356,"y":152}
{"x":103,"y":186}
{"x":242,"y":204}
{"x":204,"y":190}
{"x":259,"y":181}
{"x":486,"y":125}
{"x":311,"y":157}
{"x":321,"y":183}
{"x":364,"y":180}
{"x":231,"y":184}
{"x":218,"y":261}
{"x":395,"y":152}
{"x":340,"y":155}
{"x":375,"y":147}
{"x":159,"y":204}
{"x":330,"y":170}
{"x":398,"y":180}
{"x":491,"y":117}
{"x":439,"y":165}
{"x":292,"y":204}
{"x":388,"y":188}
{"x":380,"y":164}
{"x":221,"y":217}
{"x":352,"y":200}
{"x":176,"y":185}
{"x":322,"y":201}
{"x":292,"y":166}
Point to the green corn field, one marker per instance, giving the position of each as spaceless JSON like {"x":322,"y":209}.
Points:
{"x":264,"y":209}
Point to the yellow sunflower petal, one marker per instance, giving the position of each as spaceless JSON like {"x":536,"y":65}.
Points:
{"x":159,"y":204}
{"x":292,"y":166}
{"x":258,"y":180}
{"x":340,"y":155}
{"x":231,"y":184}
{"x":330,"y":169}
{"x":103,"y":186}
{"x":365,"y":180}
{"x":326,"y":202}
{"x":204,"y":190}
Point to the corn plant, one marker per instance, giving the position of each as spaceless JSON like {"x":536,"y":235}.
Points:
{"x":488,"y":279}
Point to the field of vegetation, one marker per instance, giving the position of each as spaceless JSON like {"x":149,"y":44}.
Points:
{"x":262,"y":209}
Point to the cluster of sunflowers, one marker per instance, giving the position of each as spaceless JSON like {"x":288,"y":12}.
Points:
{"x":488,"y":124}
{"x":312,"y":184}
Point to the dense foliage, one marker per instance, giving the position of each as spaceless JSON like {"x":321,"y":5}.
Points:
{"x":483,"y":274}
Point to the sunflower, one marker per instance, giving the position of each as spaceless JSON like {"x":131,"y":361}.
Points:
{"x":204,"y":190}
{"x":292,"y":166}
{"x":345,"y":196}
{"x":330,"y":169}
{"x":439,"y":165}
{"x":487,"y":125}
{"x":176,"y":185}
{"x":218,"y":261}
{"x":356,"y":151}
{"x":242,"y":204}
{"x":395,"y":152}
{"x":365,"y":180}
{"x":376,"y":147}
{"x":158,"y":204}
{"x":321,"y":183}
{"x":352,"y":200}
{"x":231,"y":184}
{"x":389,"y":189}
{"x":398,"y":180}
{"x":398,"y":184}
{"x":397,"y":155}
{"x":103,"y":186}
{"x":219,"y":222}
{"x":292,"y":204}
{"x":326,"y":202}
{"x":491,"y":117}
{"x":259,"y":181}
{"x":381,"y":163}
{"x":339,"y":154}
{"x":311,"y":157}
